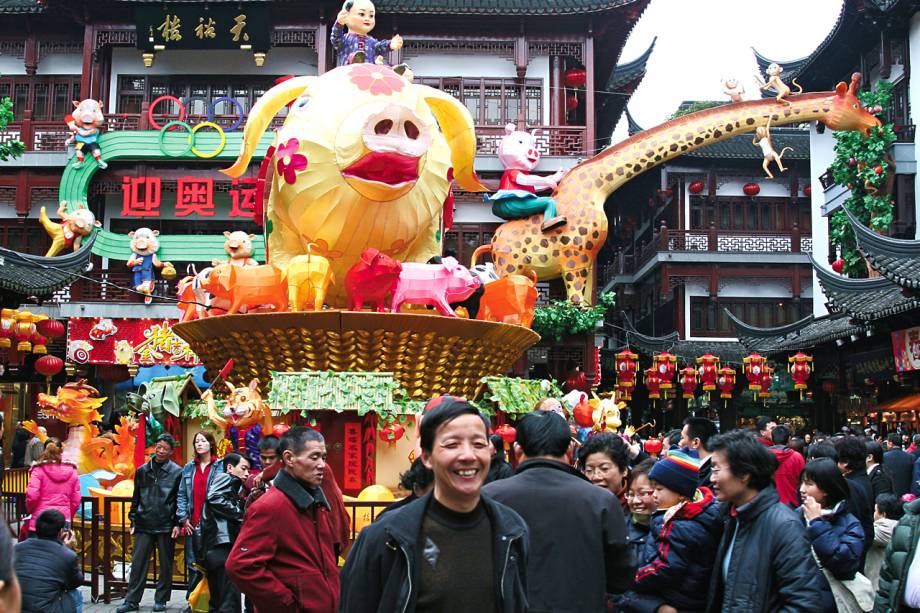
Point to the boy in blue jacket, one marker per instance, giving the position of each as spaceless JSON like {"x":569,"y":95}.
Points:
{"x":679,"y":554}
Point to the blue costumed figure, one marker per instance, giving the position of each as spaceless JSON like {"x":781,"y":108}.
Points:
{"x":350,"y":36}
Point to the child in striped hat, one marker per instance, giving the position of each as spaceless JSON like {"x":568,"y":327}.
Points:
{"x":678,"y":557}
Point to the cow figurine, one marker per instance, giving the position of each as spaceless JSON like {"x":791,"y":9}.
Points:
{"x":70,"y":232}
{"x":250,"y":286}
{"x":434,"y":284}
{"x":372,"y":279}
{"x":510,"y":300}
{"x":308,"y":276}
{"x":194,"y":301}
{"x":238,"y":247}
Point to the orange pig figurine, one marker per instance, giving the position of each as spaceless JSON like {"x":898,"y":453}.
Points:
{"x":509,"y":300}
{"x":249,"y":286}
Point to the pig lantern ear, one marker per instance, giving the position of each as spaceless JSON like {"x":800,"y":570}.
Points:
{"x":369,"y":255}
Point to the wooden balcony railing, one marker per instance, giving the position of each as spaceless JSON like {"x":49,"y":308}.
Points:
{"x":551,"y":140}
{"x":711,"y":240}
{"x":108,"y":285}
{"x":904,"y":133}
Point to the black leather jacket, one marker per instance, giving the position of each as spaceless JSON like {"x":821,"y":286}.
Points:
{"x":381,"y":572}
{"x":153,"y":505}
{"x":222,"y":513}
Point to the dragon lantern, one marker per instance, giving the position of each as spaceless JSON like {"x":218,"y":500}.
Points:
{"x":76,"y":404}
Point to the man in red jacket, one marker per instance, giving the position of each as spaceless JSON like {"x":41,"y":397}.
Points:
{"x":283,"y":558}
{"x":788,"y":476}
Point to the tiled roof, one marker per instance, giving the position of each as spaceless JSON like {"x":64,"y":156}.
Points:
{"x":896,"y":259}
{"x":790,"y":70}
{"x":803,"y":334}
{"x":863,"y":299}
{"x":33,"y":275}
{"x":630,"y":73}
{"x":741,"y":147}
{"x":500,"y":7}
{"x":21,"y":6}
{"x":685,"y":350}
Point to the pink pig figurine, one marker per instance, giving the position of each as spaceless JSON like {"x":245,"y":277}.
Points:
{"x":435,"y":284}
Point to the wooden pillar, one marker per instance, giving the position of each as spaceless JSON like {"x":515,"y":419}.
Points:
{"x":556,"y":92}
{"x":321,"y":40}
{"x":23,"y":197}
{"x":31,"y":55}
{"x":590,"y":138}
{"x":89,"y":44}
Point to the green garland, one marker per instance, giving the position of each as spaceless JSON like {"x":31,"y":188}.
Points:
{"x":12,"y":148}
{"x":562,"y":318}
{"x":862,"y":164}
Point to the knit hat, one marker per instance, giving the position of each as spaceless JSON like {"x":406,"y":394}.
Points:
{"x":677,"y":471}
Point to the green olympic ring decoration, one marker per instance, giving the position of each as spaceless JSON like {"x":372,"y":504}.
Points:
{"x":190,"y":140}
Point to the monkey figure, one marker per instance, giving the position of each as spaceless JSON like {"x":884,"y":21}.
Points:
{"x":733,"y":89}
{"x":762,"y":138}
{"x":776,"y":83}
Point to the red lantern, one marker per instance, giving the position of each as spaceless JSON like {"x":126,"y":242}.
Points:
{"x":751,"y":189}
{"x":666,"y":365}
{"x":653,"y":446}
{"x":709,"y":371}
{"x":575,"y":77}
{"x":39,"y":344}
{"x":51,"y":328}
{"x":391,"y":433}
{"x":48,"y":366}
{"x":807,"y":191}
{"x":800,"y":369}
{"x":726,"y":381}
{"x":279,"y":430}
{"x":838,"y":265}
{"x":652,"y":382}
{"x":571,"y":102}
{"x":627,"y":365}
{"x":583,"y":414}
{"x":688,"y":380}
{"x":766,"y":380}
{"x":753,"y":370}
{"x":508,"y":434}
{"x":697,"y":187}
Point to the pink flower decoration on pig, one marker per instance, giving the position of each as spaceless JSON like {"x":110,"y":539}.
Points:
{"x":289,"y":161}
{"x":378,"y":80}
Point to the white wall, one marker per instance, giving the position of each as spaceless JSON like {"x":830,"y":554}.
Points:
{"x":822,"y":154}
{"x":286,"y":60}
{"x":482,"y":66}
{"x":475,"y":213}
{"x":913,"y":41}
{"x":60,"y":63}
{"x":10,"y":65}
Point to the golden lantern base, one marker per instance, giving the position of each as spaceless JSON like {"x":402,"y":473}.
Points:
{"x":428,"y":354}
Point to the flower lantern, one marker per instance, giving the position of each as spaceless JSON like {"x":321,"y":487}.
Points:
{"x":7,"y":323}
{"x":726,"y":382}
{"x":50,"y":328}
{"x":696,"y":187}
{"x":666,"y":365}
{"x":627,"y":365}
{"x":652,"y":382}
{"x":709,"y":371}
{"x":753,"y":370}
{"x":800,"y":368}
{"x":508,"y":434}
{"x":48,"y":366}
{"x":751,"y":189}
{"x":688,"y":381}
{"x":391,"y":433}
{"x":575,"y":78}
{"x":23,"y":331}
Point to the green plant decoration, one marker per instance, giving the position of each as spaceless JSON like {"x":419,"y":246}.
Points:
{"x":363,"y":392}
{"x":562,"y":318}
{"x":862,"y":163}
{"x":518,"y":396}
{"x":9,"y":149}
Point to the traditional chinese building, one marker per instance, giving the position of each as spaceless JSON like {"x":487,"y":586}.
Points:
{"x":151,"y":63}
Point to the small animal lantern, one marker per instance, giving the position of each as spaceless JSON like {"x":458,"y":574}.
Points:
{"x":372,"y":279}
{"x":354,"y":46}
{"x":195,"y":302}
{"x":733,"y":89}
{"x":308,"y":276}
{"x":84,"y":124}
{"x":434,"y":284}
{"x":776,"y":83}
{"x":605,"y":414}
{"x":238,"y":247}
{"x":70,"y":232}
{"x":763,"y":139}
{"x":250,"y":286}
{"x":144,"y":247}
{"x":510,"y":300}
{"x":244,"y":418}
{"x":517,"y":193}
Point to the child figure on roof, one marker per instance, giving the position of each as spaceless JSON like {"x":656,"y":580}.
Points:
{"x":350,"y":38}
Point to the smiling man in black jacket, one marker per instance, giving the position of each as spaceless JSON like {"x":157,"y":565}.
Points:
{"x":578,"y":541}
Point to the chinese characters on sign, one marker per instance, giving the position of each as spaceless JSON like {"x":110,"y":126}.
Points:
{"x":142,"y":197}
{"x":352,"y":456}
{"x":906,"y":345}
{"x":92,"y":340}
{"x":203,"y":26}
{"x":169,"y":29}
{"x":162,"y":345}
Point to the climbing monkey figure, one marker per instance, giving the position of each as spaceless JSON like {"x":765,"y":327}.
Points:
{"x":733,"y":89}
{"x":762,"y":138}
{"x":776,"y":83}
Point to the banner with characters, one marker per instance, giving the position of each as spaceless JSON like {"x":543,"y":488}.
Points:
{"x":906,"y":346}
{"x":102,"y":340}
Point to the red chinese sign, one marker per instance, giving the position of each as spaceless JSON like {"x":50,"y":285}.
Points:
{"x":98,"y":340}
{"x":142,"y":197}
{"x":906,"y":345}
{"x":352,"y":457}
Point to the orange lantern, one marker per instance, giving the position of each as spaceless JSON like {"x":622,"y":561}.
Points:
{"x":800,"y":368}
{"x":665,"y":365}
{"x":726,"y":382}
{"x":753,"y":370}
{"x":688,"y":381}
{"x":391,"y":433}
{"x":23,"y":331}
{"x":7,"y":323}
{"x":39,"y":344}
{"x":627,"y":365}
{"x":709,"y":371}
{"x":652,"y":382}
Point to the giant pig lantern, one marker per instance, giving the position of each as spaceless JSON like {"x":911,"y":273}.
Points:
{"x":363,"y":160}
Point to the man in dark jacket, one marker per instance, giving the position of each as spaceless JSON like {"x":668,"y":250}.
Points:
{"x":48,"y":569}
{"x":788,"y":476}
{"x":154,"y":522}
{"x":900,"y":465}
{"x":283,"y":558}
{"x":851,"y":460}
{"x":221,"y":517}
{"x":579,"y":549}
{"x":879,"y":477}
{"x":452,"y":550}
{"x":695,"y":435}
{"x":764,"y":562}
{"x":895,"y":578}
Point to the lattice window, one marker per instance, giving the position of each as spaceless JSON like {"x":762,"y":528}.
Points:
{"x":414,"y":47}
{"x":294,"y":38}
{"x":13,"y":48}
{"x":569,"y":49}
{"x":493,"y":101}
{"x":7,"y":196}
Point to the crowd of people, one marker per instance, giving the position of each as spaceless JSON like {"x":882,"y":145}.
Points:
{"x":690,"y":521}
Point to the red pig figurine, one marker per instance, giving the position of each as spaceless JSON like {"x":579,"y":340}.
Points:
{"x":372,"y":279}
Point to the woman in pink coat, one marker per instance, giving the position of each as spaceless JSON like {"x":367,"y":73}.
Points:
{"x":52,"y":485}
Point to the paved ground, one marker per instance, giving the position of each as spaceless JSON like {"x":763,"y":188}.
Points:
{"x":176,"y":604}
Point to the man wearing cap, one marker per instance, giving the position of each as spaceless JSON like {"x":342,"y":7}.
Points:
{"x":578,"y":533}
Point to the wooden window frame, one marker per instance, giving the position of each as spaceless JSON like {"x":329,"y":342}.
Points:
{"x":760,"y":312}
{"x":8,"y":86}
{"x":458,"y":87}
